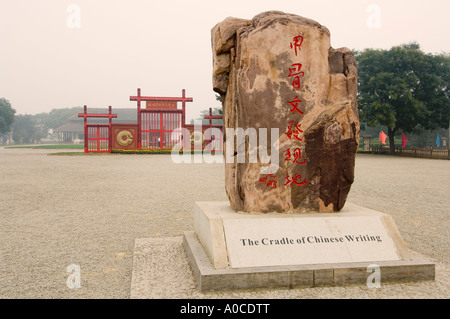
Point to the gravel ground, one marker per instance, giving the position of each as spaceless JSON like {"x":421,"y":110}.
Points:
{"x":156,"y":275}
{"x":91,"y":210}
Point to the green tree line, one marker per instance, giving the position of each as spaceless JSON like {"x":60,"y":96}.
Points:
{"x":28,"y":129}
{"x":403,"y":90}
{"x":6,"y":116}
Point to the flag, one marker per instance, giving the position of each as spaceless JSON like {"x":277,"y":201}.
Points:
{"x":438,"y":141}
{"x":383,"y":137}
{"x":404,"y":140}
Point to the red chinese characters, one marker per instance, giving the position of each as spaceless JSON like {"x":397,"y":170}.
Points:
{"x":269,"y":181}
{"x":294,"y":71}
{"x":294,"y":128}
{"x":296,"y":180}
{"x":294,"y":131}
{"x":296,"y":43}
{"x":295,"y":105}
{"x":296,"y":157}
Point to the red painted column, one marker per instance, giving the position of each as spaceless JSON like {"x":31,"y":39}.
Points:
{"x":161,"y":131}
{"x":98,"y":140}
{"x":183,"y":106}
{"x":210,"y":127}
{"x":210,"y":117}
{"x":139,"y":118}
{"x":85,"y":130}
{"x":110,"y":130}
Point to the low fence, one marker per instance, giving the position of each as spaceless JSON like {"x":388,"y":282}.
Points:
{"x":435,"y":153}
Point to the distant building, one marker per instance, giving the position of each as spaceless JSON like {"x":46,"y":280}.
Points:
{"x":73,"y":130}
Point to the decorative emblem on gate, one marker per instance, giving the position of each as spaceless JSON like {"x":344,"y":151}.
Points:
{"x":124,"y":138}
{"x":196,"y":137}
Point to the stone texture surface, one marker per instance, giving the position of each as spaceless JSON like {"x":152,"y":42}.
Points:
{"x":252,"y":62}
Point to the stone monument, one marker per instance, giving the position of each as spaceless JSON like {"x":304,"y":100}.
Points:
{"x":291,"y":135}
{"x":279,"y":71}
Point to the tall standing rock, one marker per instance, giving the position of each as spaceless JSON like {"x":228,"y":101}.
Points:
{"x":278,"y":71}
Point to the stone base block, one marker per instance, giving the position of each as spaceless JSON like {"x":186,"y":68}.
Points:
{"x":229,"y":250}
{"x":210,"y":279}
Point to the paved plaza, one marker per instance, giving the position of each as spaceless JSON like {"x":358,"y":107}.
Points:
{"x":102,"y":212}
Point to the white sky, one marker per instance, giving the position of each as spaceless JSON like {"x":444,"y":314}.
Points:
{"x":165,"y":46}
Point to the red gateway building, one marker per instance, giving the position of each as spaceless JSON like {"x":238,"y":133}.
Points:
{"x":159,"y":126}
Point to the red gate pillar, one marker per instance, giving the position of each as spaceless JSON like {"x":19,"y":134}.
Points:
{"x":85,"y":130}
{"x":139,"y":118}
{"x":211,"y":117}
{"x":183,"y":115}
{"x":183,"y":103}
{"x":110,"y":130}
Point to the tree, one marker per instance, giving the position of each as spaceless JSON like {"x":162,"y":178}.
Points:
{"x":6,"y":116}
{"x":434,"y":89}
{"x":58,"y":117}
{"x":215,"y":111}
{"x":31,"y":128}
{"x":403,"y":89}
{"x":25,"y":129}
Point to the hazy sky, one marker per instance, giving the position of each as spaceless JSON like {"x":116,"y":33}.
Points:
{"x":49,"y":59}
